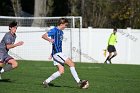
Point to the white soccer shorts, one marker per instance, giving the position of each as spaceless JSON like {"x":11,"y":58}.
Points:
{"x":59,"y":58}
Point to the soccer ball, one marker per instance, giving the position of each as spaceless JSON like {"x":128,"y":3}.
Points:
{"x":86,"y":85}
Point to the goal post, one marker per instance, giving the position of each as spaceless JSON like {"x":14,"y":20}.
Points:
{"x":74,"y":21}
{"x":30,"y":29}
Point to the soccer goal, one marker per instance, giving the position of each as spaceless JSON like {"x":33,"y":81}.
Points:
{"x":30,"y":30}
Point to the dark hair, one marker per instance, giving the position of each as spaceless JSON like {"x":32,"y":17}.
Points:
{"x":62,"y":21}
{"x":115,"y":29}
{"x":12,"y":24}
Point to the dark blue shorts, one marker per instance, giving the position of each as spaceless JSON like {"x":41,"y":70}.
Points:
{"x":111,"y":48}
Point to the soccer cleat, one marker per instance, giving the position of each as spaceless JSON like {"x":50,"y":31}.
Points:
{"x":105,"y":62}
{"x":45,"y":84}
{"x":82,"y":83}
{"x":110,"y":61}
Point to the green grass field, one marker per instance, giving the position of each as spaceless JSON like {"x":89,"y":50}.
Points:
{"x":103,"y":78}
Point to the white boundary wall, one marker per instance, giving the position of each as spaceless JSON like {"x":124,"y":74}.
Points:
{"x":93,"y":42}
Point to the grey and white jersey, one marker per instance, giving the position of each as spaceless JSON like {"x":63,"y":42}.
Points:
{"x":7,"y":39}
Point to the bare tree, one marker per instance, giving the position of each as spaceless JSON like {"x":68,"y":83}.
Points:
{"x":49,"y":8}
{"x":40,"y":8}
{"x":39,"y":11}
{"x":17,"y":7}
{"x":74,"y":7}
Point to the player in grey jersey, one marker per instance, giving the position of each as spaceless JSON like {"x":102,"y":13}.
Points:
{"x":7,"y":62}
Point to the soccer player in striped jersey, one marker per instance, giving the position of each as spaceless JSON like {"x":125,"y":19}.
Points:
{"x":58,"y":56}
{"x":7,"y":62}
{"x":111,"y":46}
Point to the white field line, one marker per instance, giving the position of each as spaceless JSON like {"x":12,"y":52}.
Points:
{"x":76,"y":67}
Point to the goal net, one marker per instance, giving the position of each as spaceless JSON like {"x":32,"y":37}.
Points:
{"x":31,"y":29}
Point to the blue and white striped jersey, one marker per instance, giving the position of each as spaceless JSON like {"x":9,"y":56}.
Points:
{"x":57,"y":35}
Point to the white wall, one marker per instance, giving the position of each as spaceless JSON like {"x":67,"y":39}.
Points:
{"x":93,"y":42}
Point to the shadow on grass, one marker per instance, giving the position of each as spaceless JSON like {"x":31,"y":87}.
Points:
{"x":54,"y":85}
{"x":5,"y":80}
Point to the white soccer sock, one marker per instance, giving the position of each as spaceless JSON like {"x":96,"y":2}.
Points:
{"x":74,"y":74}
{"x":53,"y":76}
{"x":2,"y":70}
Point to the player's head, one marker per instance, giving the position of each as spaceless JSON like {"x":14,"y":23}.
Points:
{"x":114,"y":30}
{"x":62,"y":23}
{"x":13,"y":26}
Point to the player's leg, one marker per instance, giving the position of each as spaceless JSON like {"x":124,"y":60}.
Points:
{"x":10,"y":64}
{"x":110,"y":49}
{"x":1,"y":65}
{"x":71,"y":64}
{"x":7,"y":63}
{"x":115,"y":54}
{"x":54,"y":75}
{"x":61,"y":58}
{"x":1,"y":62}
{"x":109,"y":56}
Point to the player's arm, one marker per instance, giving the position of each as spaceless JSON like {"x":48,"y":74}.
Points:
{"x":116,"y":39}
{"x":50,"y":57}
{"x":9,"y":46}
{"x":46,"y":37}
{"x":109,"y":39}
{"x":8,"y":42}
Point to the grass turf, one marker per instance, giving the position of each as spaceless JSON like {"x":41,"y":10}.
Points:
{"x":103,"y":78}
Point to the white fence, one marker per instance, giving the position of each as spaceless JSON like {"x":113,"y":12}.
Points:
{"x":93,"y":42}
